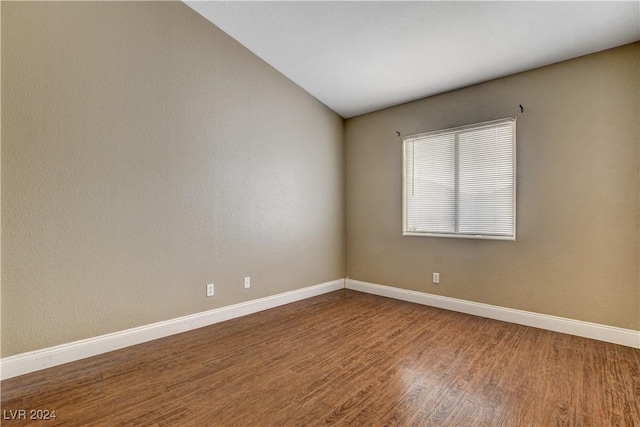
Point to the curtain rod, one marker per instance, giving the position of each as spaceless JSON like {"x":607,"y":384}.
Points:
{"x":521,"y":112}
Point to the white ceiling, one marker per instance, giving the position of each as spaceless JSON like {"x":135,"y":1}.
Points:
{"x":362,"y":56}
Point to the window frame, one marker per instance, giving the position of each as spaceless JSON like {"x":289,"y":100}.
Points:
{"x":455,"y":130}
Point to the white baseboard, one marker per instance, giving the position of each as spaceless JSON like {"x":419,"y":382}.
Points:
{"x":595,"y":331}
{"x":41,"y":359}
{"x":25,"y":363}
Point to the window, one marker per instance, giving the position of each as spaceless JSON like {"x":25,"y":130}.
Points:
{"x":461,"y":182}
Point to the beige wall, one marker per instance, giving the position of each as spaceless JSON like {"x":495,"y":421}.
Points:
{"x":576,"y":253}
{"x":145,"y":154}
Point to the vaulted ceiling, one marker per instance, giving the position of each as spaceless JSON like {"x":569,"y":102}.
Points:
{"x":362,"y":56}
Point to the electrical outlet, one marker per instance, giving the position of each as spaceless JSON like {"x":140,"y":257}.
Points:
{"x":210,"y":290}
{"x":247,"y":282}
{"x":436,"y":277}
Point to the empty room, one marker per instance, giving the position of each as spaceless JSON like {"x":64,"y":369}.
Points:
{"x":320,"y":213}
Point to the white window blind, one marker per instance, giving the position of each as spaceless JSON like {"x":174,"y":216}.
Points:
{"x":461,"y":182}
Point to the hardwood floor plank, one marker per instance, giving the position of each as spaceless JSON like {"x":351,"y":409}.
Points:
{"x":344,"y":359}
{"x":630,"y":369}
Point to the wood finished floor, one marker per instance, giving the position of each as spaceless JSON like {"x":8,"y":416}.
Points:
{"x":344,"y":358}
